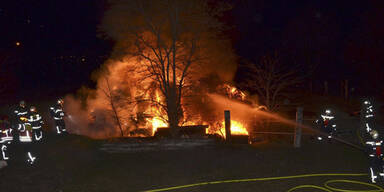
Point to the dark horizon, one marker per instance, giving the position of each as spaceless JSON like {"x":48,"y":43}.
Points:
{"x":60,"y":48}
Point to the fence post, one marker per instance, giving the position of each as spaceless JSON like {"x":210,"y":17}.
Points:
{"x":299,"y":122}
{"x":227,"y":117}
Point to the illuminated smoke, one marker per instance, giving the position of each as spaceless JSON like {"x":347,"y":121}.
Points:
{"x":137,"y":99}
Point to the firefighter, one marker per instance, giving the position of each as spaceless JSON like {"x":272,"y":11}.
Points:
{"x":327,"y":124}
{"x":375,"y":154}
{"x":5,"y":137}
{"x":58,"y":115}
{"x":6,"y":132}
{"x":21,"y":114}
{"x":36,"y":122}
{"x":368,"y":109}
{"x":4,"y":152}
{"x":367,"y":115}
{"x":25,"y":138}
{"x":21,"y":110}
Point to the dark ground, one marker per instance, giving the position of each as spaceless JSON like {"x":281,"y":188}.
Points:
{"x":76,"y":163}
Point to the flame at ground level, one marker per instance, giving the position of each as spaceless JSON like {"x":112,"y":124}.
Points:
{"x":156,"y":123}
{"x":237,"y":128}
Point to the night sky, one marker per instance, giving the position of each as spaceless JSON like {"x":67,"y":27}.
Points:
{"x":59,"y":48}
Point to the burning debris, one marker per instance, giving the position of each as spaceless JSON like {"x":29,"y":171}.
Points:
{"x":143,"y":119}
{"x":175,"y":79}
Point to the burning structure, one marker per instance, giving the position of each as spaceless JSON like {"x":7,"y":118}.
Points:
{"x":169,"y":68}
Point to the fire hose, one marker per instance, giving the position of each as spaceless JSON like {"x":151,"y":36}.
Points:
{"x":327,"y":185}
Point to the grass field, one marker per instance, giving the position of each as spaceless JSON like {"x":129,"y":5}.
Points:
{"x":75,"y":163}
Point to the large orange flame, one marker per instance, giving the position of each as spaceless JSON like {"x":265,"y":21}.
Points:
{"x":143,"y":106}
{"x":237,"y":128}
{"x":156,"y":123}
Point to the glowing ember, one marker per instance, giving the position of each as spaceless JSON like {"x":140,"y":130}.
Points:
{"x":237,"y":128}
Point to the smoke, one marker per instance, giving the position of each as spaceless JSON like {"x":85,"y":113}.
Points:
{"x":124,"y":95}
{"x":247,"y":114}
{"x":77,"y":123}
{"x":123,"y":19}
{"x":240,"y":112}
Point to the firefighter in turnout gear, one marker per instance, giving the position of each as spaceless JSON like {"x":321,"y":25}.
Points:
{"x":58,"y":115}
{"x":367,"y":116}
{"x":36,"y":122}
{"x":375,"y":153}
{"x":25,"y":138}
{"x":327,"y":124}
{"x":5,"y":137}
{"x":368,"y":109}
{"x":21,"y":115}
{"x":6,"y":132}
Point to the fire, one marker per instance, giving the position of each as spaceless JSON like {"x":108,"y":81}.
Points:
{"x":135,"y":93}
{"x":156,"y":123}
{"x":232,"y":92}
{"x":140,"y":106}
{"x":158,"y":117}
{"x":237,"y":128}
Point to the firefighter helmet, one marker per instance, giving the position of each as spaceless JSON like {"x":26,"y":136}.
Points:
{"x":328,"y":111}
{"x":366,"y":102}
{"x":22,"y":103}
{"x":374,"y":134}
{"x":60,"y":101}
{"x":33,"y":108}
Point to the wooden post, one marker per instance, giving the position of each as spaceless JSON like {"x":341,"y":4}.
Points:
{"x":299,"y":123}
{"x":227,"y":117}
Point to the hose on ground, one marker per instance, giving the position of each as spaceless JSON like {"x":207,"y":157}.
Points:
{"x":327,"y":186}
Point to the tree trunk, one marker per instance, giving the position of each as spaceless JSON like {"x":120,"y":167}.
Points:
{"x":172,"y":112}
{"x":112,"y":103}
{"x":117,"y":118}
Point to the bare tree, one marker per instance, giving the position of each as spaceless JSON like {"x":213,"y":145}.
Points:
{"x":169,"y":38}
{"x":112,"y":102}
{"x":270,"y":79}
